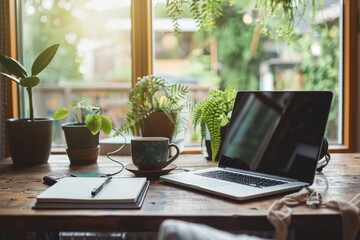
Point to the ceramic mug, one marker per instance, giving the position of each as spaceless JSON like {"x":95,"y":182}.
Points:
{"x":152,"y":153}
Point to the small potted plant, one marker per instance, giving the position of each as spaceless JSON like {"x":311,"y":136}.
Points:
{"x":29,"y":138}
{"x":82,"y":136}
{"x":154,"y":108}
{"x":212,"y":115}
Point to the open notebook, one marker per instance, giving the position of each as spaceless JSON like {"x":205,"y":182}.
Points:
{"x":272,"y":145}
{"x":75,"y":192}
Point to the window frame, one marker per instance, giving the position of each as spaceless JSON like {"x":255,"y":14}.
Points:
{"x":350,"y":78}
{"x":8,"y":47}
{"x":142,"y":62}
{"x":141,"y":39}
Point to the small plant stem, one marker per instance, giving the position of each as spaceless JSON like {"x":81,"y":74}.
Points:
{"x":83,"y":114}
{"x":29,"y":90}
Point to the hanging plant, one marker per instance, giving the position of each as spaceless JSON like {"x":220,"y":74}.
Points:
{"x":206,"y":12}
{"x":279,"y":18}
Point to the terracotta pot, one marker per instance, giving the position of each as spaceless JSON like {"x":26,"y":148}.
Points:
{"x":29,"y":141}
{"x":158,"y":124}
{"x":83,"y":156}
{"x":82,"y":145}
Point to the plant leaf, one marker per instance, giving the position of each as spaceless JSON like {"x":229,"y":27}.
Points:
{"x":93,"y":123}
{"x":44,"y":59}
{"x":61,"y":113}
{"x":106,"y":124}
{"x":13,"y":66}
{"x":78,"y":104}
{"x":11,"y":77}
{"x":213,"y":113}
{"x":29,"y":82}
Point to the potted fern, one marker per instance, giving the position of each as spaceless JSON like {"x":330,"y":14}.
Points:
{"x":154,"y":108}
{"x":82,"y":136}
{"x":212,"y":115}
{"x":29,"y":138}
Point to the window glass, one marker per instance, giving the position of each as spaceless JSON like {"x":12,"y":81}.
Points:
{"x":238,"y":53}
{"x":188,"y":58}
{"x":94,"y":58}
{"x":93,"y":62}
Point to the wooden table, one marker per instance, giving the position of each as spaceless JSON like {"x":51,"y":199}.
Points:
{"x":19,"y":188}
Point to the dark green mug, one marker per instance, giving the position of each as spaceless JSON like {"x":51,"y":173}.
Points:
{"x":152,"y":153}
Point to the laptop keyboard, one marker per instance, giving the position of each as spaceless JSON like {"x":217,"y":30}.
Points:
{"x":241,"y":178}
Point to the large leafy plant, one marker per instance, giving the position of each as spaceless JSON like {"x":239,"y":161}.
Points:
{"x":153,"y":94}
{"x":20,"y":75}
{"x":88,"y":115}
{"x":214,"y":113}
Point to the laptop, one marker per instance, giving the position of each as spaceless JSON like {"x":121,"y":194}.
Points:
{"x":272,"y":145}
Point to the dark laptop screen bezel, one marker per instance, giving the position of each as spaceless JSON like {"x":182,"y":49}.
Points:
{"x":282,"y":151}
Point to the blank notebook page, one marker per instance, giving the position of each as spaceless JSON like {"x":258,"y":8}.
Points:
{"x":78,"y":190}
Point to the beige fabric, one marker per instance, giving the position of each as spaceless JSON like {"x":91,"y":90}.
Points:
{"x":350,"y":212}
{"x":279,"y":213}
{"x":180,"y":230}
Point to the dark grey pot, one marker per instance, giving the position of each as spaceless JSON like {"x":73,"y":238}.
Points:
{"x":78,"y":136}
{"x":208,"y":153}
{"x":29,"y":142}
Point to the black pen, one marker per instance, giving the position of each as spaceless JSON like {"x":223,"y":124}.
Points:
{"x":97,"y":189}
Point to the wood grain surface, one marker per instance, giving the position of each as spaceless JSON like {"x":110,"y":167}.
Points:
{"x":20,"y":186}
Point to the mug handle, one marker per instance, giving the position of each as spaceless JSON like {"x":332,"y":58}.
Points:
{"x":175,"y":156}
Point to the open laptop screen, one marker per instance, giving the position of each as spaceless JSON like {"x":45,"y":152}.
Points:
{"x":278,"y":133}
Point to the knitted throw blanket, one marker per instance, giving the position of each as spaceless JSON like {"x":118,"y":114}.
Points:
{"x":279,"y":213}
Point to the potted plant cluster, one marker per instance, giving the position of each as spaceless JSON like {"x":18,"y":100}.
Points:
{"x":213,"y":115}
{"x":29,"y":138}
{"x":82,"y":136}
{"x":154,"y":108}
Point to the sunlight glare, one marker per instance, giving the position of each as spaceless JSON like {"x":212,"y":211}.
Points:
{"x":30,"y":10}
{"x":47,"y":4}
{"x":65,"y":5}
{"x":104,"y":5}
{"x":44,"y":19}
{"x":71,"y":37}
